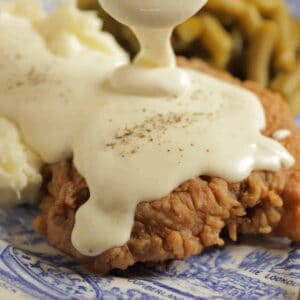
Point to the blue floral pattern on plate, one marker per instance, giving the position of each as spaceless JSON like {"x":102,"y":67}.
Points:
{"x":255,"y":269}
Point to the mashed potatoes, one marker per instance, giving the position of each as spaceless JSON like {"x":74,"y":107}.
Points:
{"x":67,"y":32}
{"x":20,"y":178}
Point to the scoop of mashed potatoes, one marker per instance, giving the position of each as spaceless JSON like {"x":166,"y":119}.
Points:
{"x":67,"y":32}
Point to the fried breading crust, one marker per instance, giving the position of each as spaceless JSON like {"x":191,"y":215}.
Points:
{"x":193,"y":216}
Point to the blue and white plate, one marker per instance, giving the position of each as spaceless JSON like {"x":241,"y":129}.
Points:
{"x":256,"y":269}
